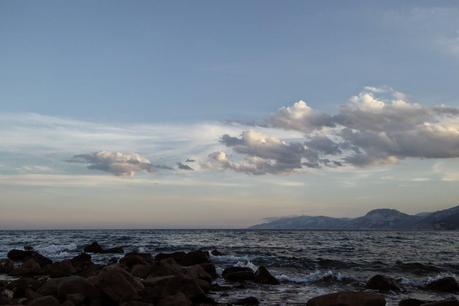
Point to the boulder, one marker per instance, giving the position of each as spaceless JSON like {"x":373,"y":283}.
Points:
{"x":45,"y":301}
{"x":246,"y":301}
{"x":20,"y":255}
{"x":114,"y":250}
{"x":6,"y":266}
{"x":131,"y":259}
{"x":158,"y":288}
{"x":448,"y":302}
{"x":76,"y":285}
{"x":210,"y":268}
{"x":28,"y":268}
{"x":411,"y":302}
{"x":81,"y":260}
{"x":118,"y":284}
{"x":263,"y":276}
{"x":382,"y":283}
{"x":60,"y":269}
{"x":238,"y":274}
{"x":445,"y":284}
{"x":177,"y":299}
{"x":348,"y":299}
{"x":186,"y":259}
{"x":93,"y":248}
{"x":49,"y":287}
{"x":20,"y":286}
{"x":197,"y":272}
{"x":141,"y":270}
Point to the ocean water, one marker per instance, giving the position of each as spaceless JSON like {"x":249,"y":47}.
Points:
{"x":308,"y":263}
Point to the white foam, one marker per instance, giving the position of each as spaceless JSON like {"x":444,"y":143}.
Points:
{"x":311,"y":277}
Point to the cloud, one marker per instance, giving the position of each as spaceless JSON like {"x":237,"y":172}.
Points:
{"x":116,"y":163}
{"x":183,"y":166}
{"x":378,"y":126}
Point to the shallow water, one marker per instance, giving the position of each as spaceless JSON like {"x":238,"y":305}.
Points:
{"x":308,"y":263}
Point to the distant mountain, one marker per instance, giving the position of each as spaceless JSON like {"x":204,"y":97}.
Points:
{"x":378,"y":219}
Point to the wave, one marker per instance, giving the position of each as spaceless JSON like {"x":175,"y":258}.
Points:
{"x":316,"y":277}
{"x":57,"y":250}
{"x":421,"y":282}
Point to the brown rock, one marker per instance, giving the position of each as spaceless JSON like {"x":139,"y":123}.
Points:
{"x":383,"y":283}
{"x":118,"y":284}
{"x":81,"y":260}
{"x":29,"y":267}
{"x":186,"y":259}
{"x":178,"y":299}
{"x":141,"y":270}
{"x":45,"y":301}
{"x":160,"y":287}
{"x":446,"y":284}
{"x":131,"y":259}
{"x":197,"y":272}
{"x":76,"y":285}
{"x":6,"y":266}
{"x":348,"y":299}
{"x":93,"y":248}
{"x":237,"y":274}
{"x":263,"y":276}
{"x":50,"y":286}
{"x":210,"y":268}
{"x":60,"y":269}
{"x":20,"y":255}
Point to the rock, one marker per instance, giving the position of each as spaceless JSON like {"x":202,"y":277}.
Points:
{"x":237,"y":274}
{"x":216,"y":287}
{"x":20,"y":255}
{"x":446,"y":284}
{"x":447,"y":302}
{"x":210,"y":268}
{"x":6,"y":266}
{"x":165,"y":267}
{"x":29,"y":267}
{"x":50,"y":286}
{"x":411,"y":302}
{"x":118,"y":284}
{"x":136,"y":303}
{"x":93,"y":248}
{"x":45,"y":301}
{"x":76,"y":285}
{"x":382,"y":283}
{"x":159,"y":287}
{"x":28,"y":248}
{"x":197,"y":272}
{"x":216,"y":253}
{"x":81,"y":260}
{"x":177,"y":299}
{"x":247,"y":301}
{"x":186,"y":259}
{"x":131,"y":259}
{"x":141,"y":270}
{"x":263,"y":276}
{"x":60,"y":269}
{"x":348,"y":299}
{"x":114,"y":250}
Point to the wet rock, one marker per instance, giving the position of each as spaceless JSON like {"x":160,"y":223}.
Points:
{"x":76,"y":285}
{"x":348,"y":299}
{"x":197,"y":272}
{"x":6,"y":266}
{"x":447,"y":302}
{"x":159,"y":287}
{"x":60,"y":269}
{"x":216,"y":287}
{"x":93,"y":248}
{"x":411,"y":302}
{"x":446,"y":284}
{"x":238,"y":274}
{"x":20,"y":286}
{"x":186,"y":259}
{"x":81,"y":260}
{"x":45,"y":301}
{"x":20,"y":255}
{"x":246,"y":301}
{"x":118,"y":284}
{"x":28,"y":248}
{"x":131,"y":259}
{"x":28,"y":268}
{"x":216,"y":253}
{"x":175,"y":300}
{"x":50,"y":286}
{"x":141,"y":270}
{"x":263,"y":276}
{"x":114,"y":250}
{"x":211,"y":269}
{"x":383,"y":283}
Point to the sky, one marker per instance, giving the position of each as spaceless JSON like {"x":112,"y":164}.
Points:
{"x":212,"y":114}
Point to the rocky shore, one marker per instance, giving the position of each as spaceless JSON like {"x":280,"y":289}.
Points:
{"x":180,"y":278}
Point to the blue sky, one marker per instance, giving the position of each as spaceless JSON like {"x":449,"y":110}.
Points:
{"x":166,"y":80}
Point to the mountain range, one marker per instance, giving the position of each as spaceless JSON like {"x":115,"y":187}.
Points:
{"x":378,"y":219}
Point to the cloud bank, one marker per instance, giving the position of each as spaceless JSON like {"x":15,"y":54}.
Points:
{"x":377,"y":126}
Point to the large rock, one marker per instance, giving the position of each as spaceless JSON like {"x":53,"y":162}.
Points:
{"x":45,"y":301}
{"x":348,"y":299}
{"x":197,"y":272}
{"x":6,"y":266}
{"x":263,"y":276}
{"x":118,"y":284}
{"x":158,"y":288}
{"x":446,"y":284}
{"x":114,"y":250}
{"x":178,"y":299}
{"x":131,"y":259}
{"x":28,"y":268}
{"x":383,"y":283}
{"x":238,"y":274}
{"x":94,"y":247}
{"x":50,"y":286}
{"x":411,"y":302}
{"x":76,"y":285}
{"x":210,"y":268}
{"x":186,"y":259}
{"x":20,"y":255}
{"x":60,"y":269}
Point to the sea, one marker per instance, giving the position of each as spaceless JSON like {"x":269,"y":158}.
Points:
{"x":307,"y":263}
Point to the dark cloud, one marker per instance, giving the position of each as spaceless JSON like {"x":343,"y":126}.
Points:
{"x":183,"y":166}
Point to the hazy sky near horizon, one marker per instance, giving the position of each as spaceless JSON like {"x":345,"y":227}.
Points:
{"x":170,"y":114}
